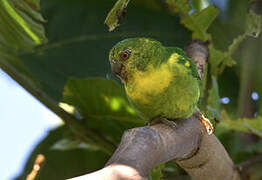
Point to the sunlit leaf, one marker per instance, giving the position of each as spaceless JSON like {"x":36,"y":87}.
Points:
{"x":103,"y":105}
{"x":21,"y":30}
{"x":200,"y":4}
{"x":22,"y":25}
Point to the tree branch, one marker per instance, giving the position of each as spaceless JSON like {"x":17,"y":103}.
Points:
{"x":39,"y":161}
{"x":201,"y":155}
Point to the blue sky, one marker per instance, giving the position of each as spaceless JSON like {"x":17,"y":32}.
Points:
{"x":24,"y":122}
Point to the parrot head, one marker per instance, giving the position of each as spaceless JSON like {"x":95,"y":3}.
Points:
{"x":133,"y":54}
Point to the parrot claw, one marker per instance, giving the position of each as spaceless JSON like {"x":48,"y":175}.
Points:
{"x":207,"y":124}
{"x":163,"y":120}
{"x":169,"y":123}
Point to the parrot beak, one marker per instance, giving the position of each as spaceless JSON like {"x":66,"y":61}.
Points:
{"x":117,"y":69}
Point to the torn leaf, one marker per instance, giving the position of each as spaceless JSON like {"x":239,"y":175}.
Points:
{"x":116,"y":14}
{"x":253,"y":24}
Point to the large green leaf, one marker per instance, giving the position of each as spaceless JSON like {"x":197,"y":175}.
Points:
{"x":103,"y":105}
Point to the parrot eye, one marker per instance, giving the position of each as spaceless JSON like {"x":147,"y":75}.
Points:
{"x":124,"y":55}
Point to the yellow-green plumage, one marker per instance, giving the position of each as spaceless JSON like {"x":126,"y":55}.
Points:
{"x":159,"y":80}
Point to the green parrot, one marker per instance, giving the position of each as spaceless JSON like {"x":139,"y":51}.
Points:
{"x":159,"y":81}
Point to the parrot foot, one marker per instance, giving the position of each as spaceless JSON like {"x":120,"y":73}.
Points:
{"x":163,"y":120}
{"x":207,"y":124}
